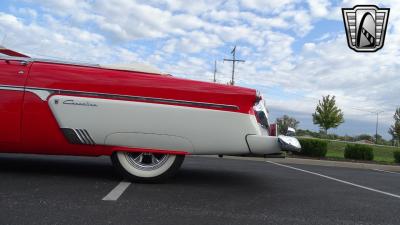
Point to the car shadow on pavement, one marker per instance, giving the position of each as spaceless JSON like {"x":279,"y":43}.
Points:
{"x":79,"y":167}
{"x":223,"y":179}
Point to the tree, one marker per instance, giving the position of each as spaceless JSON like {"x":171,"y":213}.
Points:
{"x":327,"y":115}
{"x":394,"y":130}
{"x":284,"y":122}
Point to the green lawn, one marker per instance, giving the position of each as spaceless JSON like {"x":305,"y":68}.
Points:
{"x":382,"y":154}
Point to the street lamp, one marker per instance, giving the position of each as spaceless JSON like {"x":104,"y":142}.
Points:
{"x":377,"y":121}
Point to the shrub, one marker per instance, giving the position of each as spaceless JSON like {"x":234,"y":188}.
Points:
{"x":357,"y":151}
{"x":313,"y":147}
{"x":396,"y":155}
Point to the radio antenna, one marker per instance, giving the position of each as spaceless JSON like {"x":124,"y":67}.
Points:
{"x":234,"y":61}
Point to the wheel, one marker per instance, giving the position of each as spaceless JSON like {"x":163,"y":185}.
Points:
{"x":146,"y":167}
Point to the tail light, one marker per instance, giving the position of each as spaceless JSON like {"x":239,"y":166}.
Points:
{"x":261,"y":112}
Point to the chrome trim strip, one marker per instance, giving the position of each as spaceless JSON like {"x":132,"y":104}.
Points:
{"x":149,"y":99}
{"x":11,"y":88}
{"x":78,"y":135}
{"x":88,"y":136}
{"x":85,"y":137}
{"x":85,"y":141}
{"x":15,"y":58}
{"x":71,"y":136}
{"x":83,"y":132}
{"x":44,"y":93}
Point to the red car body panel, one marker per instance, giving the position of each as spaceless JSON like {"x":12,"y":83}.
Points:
{"x":14,"y":74}
{"x":99,"y":80}
{"x":28,"y":125}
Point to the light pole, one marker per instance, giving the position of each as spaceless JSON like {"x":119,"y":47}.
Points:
{"x":377,"y":121}
{"x":215,"y":71}
{"x":376,"y":128}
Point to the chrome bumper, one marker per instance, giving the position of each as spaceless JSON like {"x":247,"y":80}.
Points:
{"x":264,"y":145}
{"x":290,"y":144}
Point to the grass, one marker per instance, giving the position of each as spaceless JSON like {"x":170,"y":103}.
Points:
{"x":382,"y":154}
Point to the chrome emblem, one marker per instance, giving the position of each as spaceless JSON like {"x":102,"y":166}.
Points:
{"x":365,"y":27}
{"x":72,"y":102}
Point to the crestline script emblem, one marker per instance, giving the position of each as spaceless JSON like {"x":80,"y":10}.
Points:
{"x":365,"y":27}
{"x":73,"y":102}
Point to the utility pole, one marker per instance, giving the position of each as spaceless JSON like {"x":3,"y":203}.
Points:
{"x":215,"y":71}
{"x":377,"y":121}
{"x":376,"y":128}
{"x":233,"y":60}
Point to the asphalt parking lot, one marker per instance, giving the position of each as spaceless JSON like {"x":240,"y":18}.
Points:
{"x":70,"y":190}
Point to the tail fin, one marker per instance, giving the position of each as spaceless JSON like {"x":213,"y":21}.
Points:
{"x":10,"y":52}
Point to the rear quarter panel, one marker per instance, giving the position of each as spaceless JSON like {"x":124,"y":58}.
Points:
{"x":208,"y":131}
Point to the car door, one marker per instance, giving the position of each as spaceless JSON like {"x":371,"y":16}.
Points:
{"x":13,"y":73}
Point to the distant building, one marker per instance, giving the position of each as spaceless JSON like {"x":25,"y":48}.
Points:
{"x":365,"y":142}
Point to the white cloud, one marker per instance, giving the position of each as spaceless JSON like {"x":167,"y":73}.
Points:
{"x":262,"y":5}
{"x":185,"y":37}
{"x":59,"y":41}
{"x":319,"y":8}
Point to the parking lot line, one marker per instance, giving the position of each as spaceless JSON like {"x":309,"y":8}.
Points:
{"x":338,"y":180}
{"x":117,"y":191}
{"x":385,"y":171}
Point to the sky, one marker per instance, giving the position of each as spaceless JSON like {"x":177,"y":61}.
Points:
{"x":295,"y":51}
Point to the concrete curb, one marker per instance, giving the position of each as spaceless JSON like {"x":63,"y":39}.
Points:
{"x":320,"y":162}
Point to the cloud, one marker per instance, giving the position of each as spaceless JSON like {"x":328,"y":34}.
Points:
{"x":289,"y":53}
{"x":261,"y":5}
{"x":319,"y":8}
{"x":56,"y":40}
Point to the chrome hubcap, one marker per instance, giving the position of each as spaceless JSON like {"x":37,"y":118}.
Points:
{"x":146,"y":161}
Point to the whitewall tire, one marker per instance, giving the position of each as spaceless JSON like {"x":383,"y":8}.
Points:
{"x":146,"y":167}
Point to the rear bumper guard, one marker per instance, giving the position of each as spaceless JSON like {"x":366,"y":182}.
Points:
{"x":263,"y":145}
{"x":290,"y":144}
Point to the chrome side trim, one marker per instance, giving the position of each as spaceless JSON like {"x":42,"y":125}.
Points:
{"x":11,"y":88}
{"x":15,"y":58}
{"x":85,"y":136}
{"x":71,"y":136}
{"x":148,"y":99}
{"x":44,"y":93}
{"x":78,"y":136}
{"x":89,"y":137}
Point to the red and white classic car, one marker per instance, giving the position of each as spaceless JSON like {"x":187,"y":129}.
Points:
{"x":145,"y":120}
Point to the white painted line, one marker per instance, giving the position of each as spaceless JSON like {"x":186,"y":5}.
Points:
{"x":117,"y":191}
{"x":385,"y":171}
{"x":338,"y":180}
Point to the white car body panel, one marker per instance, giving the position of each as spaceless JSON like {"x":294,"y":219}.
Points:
{"x":261,"y":144}
{"x":159,"y":126}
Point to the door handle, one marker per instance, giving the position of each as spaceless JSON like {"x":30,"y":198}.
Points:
{"x":23,"y":63}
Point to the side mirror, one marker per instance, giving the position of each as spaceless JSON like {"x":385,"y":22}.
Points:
{"x":291,"y":132}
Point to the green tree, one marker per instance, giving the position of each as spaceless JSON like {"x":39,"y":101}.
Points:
{"x":394,"y":130}
{"x":284,"y":122}
{"x":327,"y":115}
